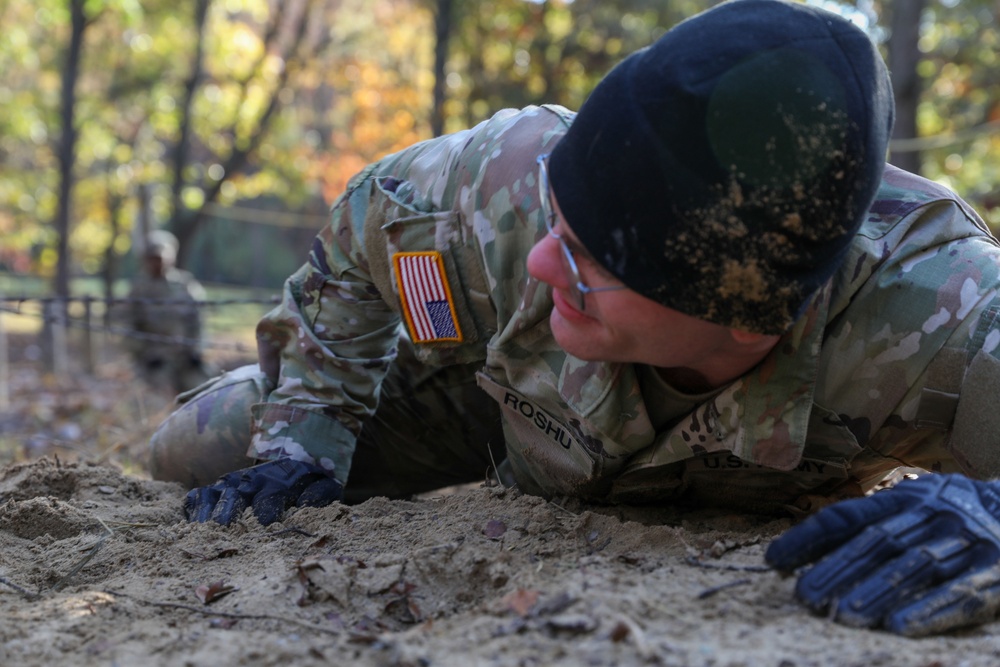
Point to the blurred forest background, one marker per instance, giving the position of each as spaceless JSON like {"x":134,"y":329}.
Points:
{"x":235,"y":124}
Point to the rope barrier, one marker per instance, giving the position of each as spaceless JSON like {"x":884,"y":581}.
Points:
{"x":117,"y":301}
{"x":87,"y":325}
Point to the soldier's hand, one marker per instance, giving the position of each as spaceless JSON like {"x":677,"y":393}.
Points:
{"x":920,"y":558}
{"x":269,"y":489}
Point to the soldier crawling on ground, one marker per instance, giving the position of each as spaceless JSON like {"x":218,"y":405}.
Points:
{"x":710,"y":263}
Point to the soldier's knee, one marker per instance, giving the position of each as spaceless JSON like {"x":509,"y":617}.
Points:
{"x":208,"y":435}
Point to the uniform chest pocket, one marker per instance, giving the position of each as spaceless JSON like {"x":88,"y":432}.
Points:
{"x":549,"y":454}
{"x":428,"y":262}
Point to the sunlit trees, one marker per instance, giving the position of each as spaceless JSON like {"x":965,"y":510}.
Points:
{"x":176,"y":110}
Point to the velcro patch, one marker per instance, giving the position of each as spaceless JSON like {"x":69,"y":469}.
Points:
{"x":427,"y":302}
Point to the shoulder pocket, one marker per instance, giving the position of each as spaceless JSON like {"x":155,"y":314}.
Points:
{"x":427,"y":261}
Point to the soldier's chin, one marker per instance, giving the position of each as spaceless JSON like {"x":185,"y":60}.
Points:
{"x":572,"y":340}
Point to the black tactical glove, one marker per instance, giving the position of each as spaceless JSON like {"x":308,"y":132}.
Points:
{"x":269,"y":488}
{"x":920,"y":558}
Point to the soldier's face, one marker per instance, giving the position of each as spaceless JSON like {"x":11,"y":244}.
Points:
{"x":155,"y":265}
{"x":620,"y":326}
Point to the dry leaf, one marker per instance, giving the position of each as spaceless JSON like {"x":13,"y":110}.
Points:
{"x":620,"y":632}
{"x":521,"y":601}
{"x":494,"y":529}
{"x":224,"y":553}
{"x":212,"y":592}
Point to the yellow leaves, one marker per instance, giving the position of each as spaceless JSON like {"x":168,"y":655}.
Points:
{"x":366,"y":98}
{"x":237,"y":48}
{"x":403,"y":121}
{"x":49,"y":81}
{"x":122,"y":153}
{"x":47,"y":261}
{"x":192,"y":197}
{"x":141,"y":43}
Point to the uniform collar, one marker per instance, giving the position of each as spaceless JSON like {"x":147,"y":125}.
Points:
{"x":768,"y":409}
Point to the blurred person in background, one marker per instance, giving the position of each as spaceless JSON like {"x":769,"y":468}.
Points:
{"x":163,"y":310}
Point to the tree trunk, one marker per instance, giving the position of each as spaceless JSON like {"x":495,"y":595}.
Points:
{"x":109,"y":269}
{"x":442,"y":35}
{"x":180,"y":220}
{"x":66,"y":151}
{"x":904,"y":55}
{"x":53,"y":340}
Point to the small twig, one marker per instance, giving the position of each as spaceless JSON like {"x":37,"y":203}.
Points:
{"x":23,"y":591}
{"x":86,"y":559}
{"x":831,"y":613}
{"x":126,"y":524}
{"x":294,"y":529}
{"x":434,"y":548}
{"x":496,"y":471}
{"x":637,"y":635}
{"x":709,"y":592}
{"x":109,"y":451}
{"x":223,"y":614}
{"x":555,"y":504}
{"x":697,"y":562}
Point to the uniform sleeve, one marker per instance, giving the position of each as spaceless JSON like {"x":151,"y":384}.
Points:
{"x":327,"y":348}
{"x":330,"y":343}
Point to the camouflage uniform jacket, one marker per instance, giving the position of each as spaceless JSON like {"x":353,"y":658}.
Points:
{"x":852,"y":391}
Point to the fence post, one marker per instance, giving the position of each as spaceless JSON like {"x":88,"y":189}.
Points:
{"x":54,"y":336}
{"x":4,"y":367}
{"x":88,"y":336}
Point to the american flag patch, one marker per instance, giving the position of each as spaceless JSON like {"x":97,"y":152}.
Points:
{"x":427,"y":303}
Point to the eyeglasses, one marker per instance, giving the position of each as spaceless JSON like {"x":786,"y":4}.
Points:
{"x":578,"y":289}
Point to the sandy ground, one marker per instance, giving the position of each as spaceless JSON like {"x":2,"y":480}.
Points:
{"x":100,"y":568}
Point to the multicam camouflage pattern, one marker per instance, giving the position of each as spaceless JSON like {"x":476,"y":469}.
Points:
{"x":840,"y":401}
{"x":166,"y":310}
{"x":207,"y":436}
{"x":473,"y":196}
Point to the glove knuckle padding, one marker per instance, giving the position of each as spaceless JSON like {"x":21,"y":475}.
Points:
{"x":230,"y":506}
{"x":320,"y":493}
{"x":899,"y":579}
{"x":198,"y":503}
{"x":974,"y":598}
{"x":897,"y":564}
{"x":268,"y":508}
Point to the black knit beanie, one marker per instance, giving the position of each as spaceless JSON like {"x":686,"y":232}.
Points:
{"x":723,"y":171}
